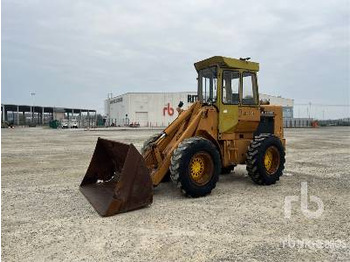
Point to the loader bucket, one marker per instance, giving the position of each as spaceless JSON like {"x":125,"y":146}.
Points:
{"x":117,"y":179}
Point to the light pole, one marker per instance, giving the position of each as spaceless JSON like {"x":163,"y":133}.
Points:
{"x":32,"y":94}
{"x":323,"y":115}
{"x":310,"y":110}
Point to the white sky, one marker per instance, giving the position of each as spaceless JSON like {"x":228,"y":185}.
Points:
{"x":72,"y":53}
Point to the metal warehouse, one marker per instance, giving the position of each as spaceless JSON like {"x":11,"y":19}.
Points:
{"x":159,"y":109}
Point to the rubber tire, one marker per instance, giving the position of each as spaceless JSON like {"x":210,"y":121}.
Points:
{"x":255,"y":159}
{"x":227,"y":170}
{"x":179,"y":168}
{"x":148,"y":142}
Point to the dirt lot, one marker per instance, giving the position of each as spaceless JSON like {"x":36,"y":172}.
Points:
{"x":46,"y":218}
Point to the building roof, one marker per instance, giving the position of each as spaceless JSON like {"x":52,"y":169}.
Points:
{"x":152,"y":93}
{"x":275,"y":99}
{"x":227,"y":62}
{"x":39,"y":109}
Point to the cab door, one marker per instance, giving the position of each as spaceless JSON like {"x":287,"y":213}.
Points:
{"x":249,"y":110}
{"x":239,"y":107}
{"x":228,"y":108}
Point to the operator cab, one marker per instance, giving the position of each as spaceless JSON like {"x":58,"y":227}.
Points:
{"x":227,"y":80}
{"x":231,"y":86}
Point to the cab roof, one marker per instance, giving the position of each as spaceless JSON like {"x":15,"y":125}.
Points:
{"x":226,"y":62}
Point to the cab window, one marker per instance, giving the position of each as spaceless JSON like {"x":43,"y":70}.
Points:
{"x":230,"y":87}
{"x":249,"y":86}
{"x":207,"y":85}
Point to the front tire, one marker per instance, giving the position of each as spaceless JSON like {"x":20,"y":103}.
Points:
{"x":195,"y":166}
{"x":147,"y":144}
{"x":265,"y":159}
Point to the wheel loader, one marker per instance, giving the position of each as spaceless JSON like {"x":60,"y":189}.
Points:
{"x":228,"y":125}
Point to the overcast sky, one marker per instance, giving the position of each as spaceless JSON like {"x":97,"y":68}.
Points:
{"x":72,"y":53}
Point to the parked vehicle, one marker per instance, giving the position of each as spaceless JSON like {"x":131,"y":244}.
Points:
{"x":64,"y":123}
{"x":227,"y":126}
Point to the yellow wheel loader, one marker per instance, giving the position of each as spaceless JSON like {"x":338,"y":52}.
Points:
{"x":227,"y":125}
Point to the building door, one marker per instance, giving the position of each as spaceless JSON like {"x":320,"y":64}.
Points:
{"x":142,"y":118}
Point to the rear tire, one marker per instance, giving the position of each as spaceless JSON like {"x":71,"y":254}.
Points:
{"x":265,"y":159}
{"x":195,"y":166}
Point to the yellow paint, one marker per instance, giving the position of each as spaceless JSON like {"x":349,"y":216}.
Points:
{"x":197,"y":168}
{"x":228,"y":120}
{"x":268,"y":159}
{"x":228,"y":63}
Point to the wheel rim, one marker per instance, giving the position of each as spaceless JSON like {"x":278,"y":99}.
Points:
{"x":201,"y":168}
{"x":271,"y":160}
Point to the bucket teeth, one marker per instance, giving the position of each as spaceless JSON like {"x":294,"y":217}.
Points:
{"x":117,"y":179}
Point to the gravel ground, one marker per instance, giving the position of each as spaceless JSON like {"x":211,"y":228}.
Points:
{"x":46,"y":218}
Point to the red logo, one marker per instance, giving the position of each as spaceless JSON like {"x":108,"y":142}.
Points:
{"x":168,"y":109}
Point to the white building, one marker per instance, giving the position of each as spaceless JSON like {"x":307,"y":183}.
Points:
{"x":159,"y":109}
{"x":286,"y":103}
